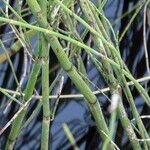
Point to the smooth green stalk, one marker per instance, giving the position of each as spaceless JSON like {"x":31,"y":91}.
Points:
{"x":70,"y":136}
{"x":45,"y":84}
{"x":45,"y":94}
{"x":28,"y":93}
{"x":46,"y":107}
{"x":40,"y":12}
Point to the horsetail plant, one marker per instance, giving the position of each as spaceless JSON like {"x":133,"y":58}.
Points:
{"x":56,"y":24}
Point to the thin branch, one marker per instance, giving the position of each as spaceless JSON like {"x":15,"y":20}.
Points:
{"x":77,"y":96}
{"x":144,"y":38}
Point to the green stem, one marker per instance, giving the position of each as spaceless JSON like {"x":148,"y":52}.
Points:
{"x":39,"y":9}
{"x":70,"y":136}
{"x":28,"y":93}
{"x":45,"y":95}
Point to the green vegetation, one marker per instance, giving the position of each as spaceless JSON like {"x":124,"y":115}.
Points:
{"x":68,"y":45}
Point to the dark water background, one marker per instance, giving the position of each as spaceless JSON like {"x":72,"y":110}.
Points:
{"x":75,"y":112}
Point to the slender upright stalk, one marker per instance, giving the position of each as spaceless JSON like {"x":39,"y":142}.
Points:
{"x":45,"y":95}
{"x":28,"y":93}
{"x":41,"y":15}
